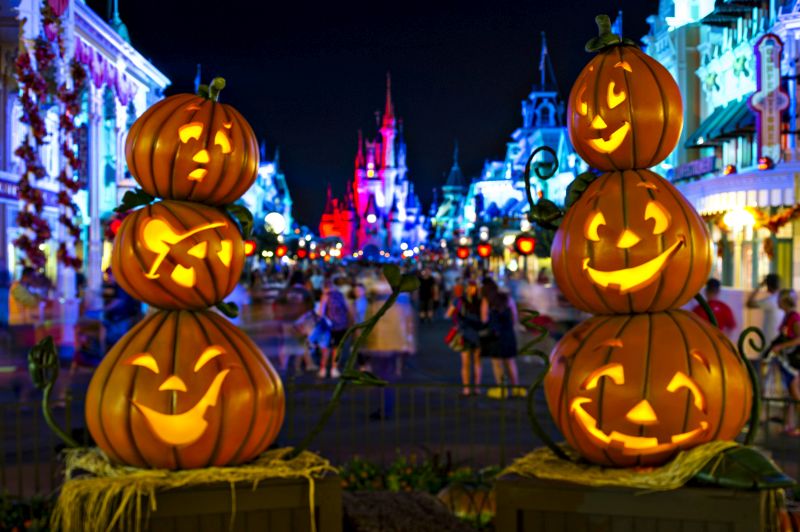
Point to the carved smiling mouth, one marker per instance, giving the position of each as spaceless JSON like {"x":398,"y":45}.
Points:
{"x":636,"y":277}
{"x":183,"y":429}
{"x":614,"y":140}
{"x":630,"y":445}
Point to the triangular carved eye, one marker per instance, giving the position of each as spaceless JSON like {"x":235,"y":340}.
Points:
{"x":225,"y":252}
{"x":183,"y":276}
{"x":199,"y":250}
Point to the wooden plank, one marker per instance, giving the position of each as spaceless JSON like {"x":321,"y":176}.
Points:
{"x":575,"y":522}
{"x":253,"y":520}
{"x":719,"y":527}
{"x":621,"y":523}
{"x":553,"y":522}
{"x":598,"y":523}
{"x":646,"y":524}
{"x":280,"y":519}
{"x":692,"y":526}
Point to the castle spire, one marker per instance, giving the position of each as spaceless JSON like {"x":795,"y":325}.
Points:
{"x":360,"y":152}
{"x":547,"y":76}
{"x":455,"y":180}
{"x":388,"y":112}
{"x":328,"y":202}
{"x":276,"y":160}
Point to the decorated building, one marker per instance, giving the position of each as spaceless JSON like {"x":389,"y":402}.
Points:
{"x":120,"y":84}
{"x":380,"y":210}
{"x":269,"y":199}
{"x":497,"y":196}
{"x":735,"y":62}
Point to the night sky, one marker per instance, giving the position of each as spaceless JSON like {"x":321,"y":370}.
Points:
{"x":307,"y":76}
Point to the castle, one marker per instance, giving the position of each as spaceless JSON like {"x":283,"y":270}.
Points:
{"x":380,"y":210}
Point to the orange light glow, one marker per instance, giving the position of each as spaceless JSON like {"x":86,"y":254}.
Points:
{"x":221,"y":140}
{"x":462,"y":252}
{"x":484,"y":250}
{"x":623,"y":65}
{"x":614,"y":140}
{"x":198,"y":174}
{"x":681,"y":380}
{"x":594,"y":224}
{"x":249,"y":247}
{"x":144,"y":360}
{"x":642,"y":414}
{"x":656,"y":212}
{"x":189,"y":131}
{"x":628,"y":239}
{"x":160,"y":237}
{"x":210,"y":353}
{"x":615,"y":98}
{"x":183,"y":276}
{"x":613,"y":371}
{"x":635,"y":278}
{"x":525,"y":245}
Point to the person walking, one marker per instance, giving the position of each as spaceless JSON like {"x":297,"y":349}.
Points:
{"x":298,"y":311}
{"x":427,"y":295}
{"x":333,"y":308}
{"x":120,"y":313}
{"x":722,"y":312}
{"x":786,"y":347}
{"x":765,"y":297}
{"x":498,"y":339}
{"x":466,"y":309}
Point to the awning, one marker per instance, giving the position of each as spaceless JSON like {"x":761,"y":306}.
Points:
{"x":726,"y":12}
{"x":729,"y":120}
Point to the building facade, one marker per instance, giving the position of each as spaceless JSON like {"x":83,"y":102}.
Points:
{"x":380,"y":210}
{"x":269,"y":199}
{"x":121,"y":84}
{"x":497,"y":196}
{"x":737,"y":163}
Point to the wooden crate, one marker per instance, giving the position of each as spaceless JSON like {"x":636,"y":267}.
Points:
{"x":275,"y":506}
{"x":535,"y":505}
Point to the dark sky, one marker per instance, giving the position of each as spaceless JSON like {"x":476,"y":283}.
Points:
{"x":308,"y":75}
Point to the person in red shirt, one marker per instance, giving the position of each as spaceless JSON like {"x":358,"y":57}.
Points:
{"x":723,"y":313}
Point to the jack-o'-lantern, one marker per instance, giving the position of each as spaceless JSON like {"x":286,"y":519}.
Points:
{"x":184,"y":390}
{"x":631,"y":243}
{"x":624,"y":110}
{"x":634,"y":390}
{"x":193,"y":148}
{"x":178,"y":255}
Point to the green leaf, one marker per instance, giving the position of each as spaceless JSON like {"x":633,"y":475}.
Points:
{"x":393,"y":275}
{"x":231,"y":310}
{"x":133,"y":199}
{"x":362,"y":378}
{"x":243,"y":218}
{"x":743,"y":468}
{"x":578,"y":187}
{"x":545,"y":214}
{"x":43,"y":363}
{"x":408,"y":283}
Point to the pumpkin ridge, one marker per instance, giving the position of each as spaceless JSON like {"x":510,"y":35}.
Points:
{"x":686,"y":410}
{"x":216,"y":293}
{"x":690,"y":240}
{"x":102,"y":388}
{"x":278,"y":398}
{"x":665,"y":109}
{"x":127,"y":411}
{"x":253,"y":388}
{"x":629,"y":99}
{"x":173,"y":406}
{"x":169,"y":110}
{"x":646,"y":380}
{"x":173,"y":160}
{"x":626,"y":252}
{"x":148,"y":118}
{"x":663,"y":240}
{"x":602,"y":384}
{"x":723,"y":377}
{"x":223,"y":197}
{"x":206,"y":146}
{"x":116,"y":252}
{"x":210,"y":459}
{"x":602,"y":59}
{"x":273,"y":428}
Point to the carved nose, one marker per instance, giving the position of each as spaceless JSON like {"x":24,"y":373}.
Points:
{"x":598,"y":123}
{"x":642,"y":414}
{"x":628,"y":239}
{"x":174,"y":383}
{"x":201,"y":157}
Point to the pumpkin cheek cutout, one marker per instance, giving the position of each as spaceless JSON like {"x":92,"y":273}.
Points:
{"x":641,"y":275}
{"x":187,"y":427}
{"x":640,"y":414}
{"x":190,"y":135}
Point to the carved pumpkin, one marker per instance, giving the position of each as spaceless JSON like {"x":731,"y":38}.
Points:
{"x":178,"y":255}
{"x":634,"y":390}
{"x":184,"y":390}
{"x":631,"y":243}
{"x":471,"y":502}
{"x":192,"y":148}
{"x":624,"y":110}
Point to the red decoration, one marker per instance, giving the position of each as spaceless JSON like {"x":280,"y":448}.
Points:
{"x":730,"y":169}
{"x":525,"y":244}
{"x":34,"y":68}
{"x":484,"y":250}
{"x":462,"y":252}
{"x":302,"y":253}
{"x":281,"y":250}
{"x":249,"y":248}
{"x":765,"y":163}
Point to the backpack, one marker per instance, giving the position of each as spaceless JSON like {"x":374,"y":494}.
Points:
{"x":337,"y":311}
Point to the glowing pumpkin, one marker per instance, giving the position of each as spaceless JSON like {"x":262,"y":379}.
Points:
{"x":474,"y":503}
{"x":192,"y":148}
{"x":624,"y":111}
{"x":631,"y":243}
{"x":184,"y":390}
{"x":178,"y":255}
{"x":634,"y":390}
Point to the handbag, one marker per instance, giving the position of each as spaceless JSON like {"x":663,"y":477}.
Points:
{"x":451,"y":334}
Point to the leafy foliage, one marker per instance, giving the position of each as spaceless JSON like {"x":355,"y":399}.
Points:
{"x":133,"y":199}
{"x":243,"y":218}
{"x":27,"y":514}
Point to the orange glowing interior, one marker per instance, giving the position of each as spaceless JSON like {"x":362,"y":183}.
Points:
{"x":613,"y":371}
{"x":221,"y":140}
{"x":615,"y":98}
{"x":623,"y":65}
{"x":656,"y":212}
{"x":596,"y":220}
{"x":189,"y":131}
{"x":628,"y":239}
{"x":642,"y":414}
{"x":144,"y":360}
{"x":210,"y":353}
{"x":583,"y":107}
{"x":681,"y":380}
{"x":160,"y":237}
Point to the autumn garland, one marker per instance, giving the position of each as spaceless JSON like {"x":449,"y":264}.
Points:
{"x":36,"y":78}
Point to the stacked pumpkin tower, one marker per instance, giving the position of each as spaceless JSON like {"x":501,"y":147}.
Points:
{"x":641,"y":380}
{"x":185,"y":388}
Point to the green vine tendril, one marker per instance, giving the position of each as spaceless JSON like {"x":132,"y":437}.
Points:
{"x":755,"y":409}
{"x":43,"y":367}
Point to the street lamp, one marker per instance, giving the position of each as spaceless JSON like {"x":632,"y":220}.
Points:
{"x":275,"y":222}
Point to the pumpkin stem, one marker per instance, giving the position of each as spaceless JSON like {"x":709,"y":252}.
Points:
{"x":217,"y":84}
{"x":604,"y":37}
